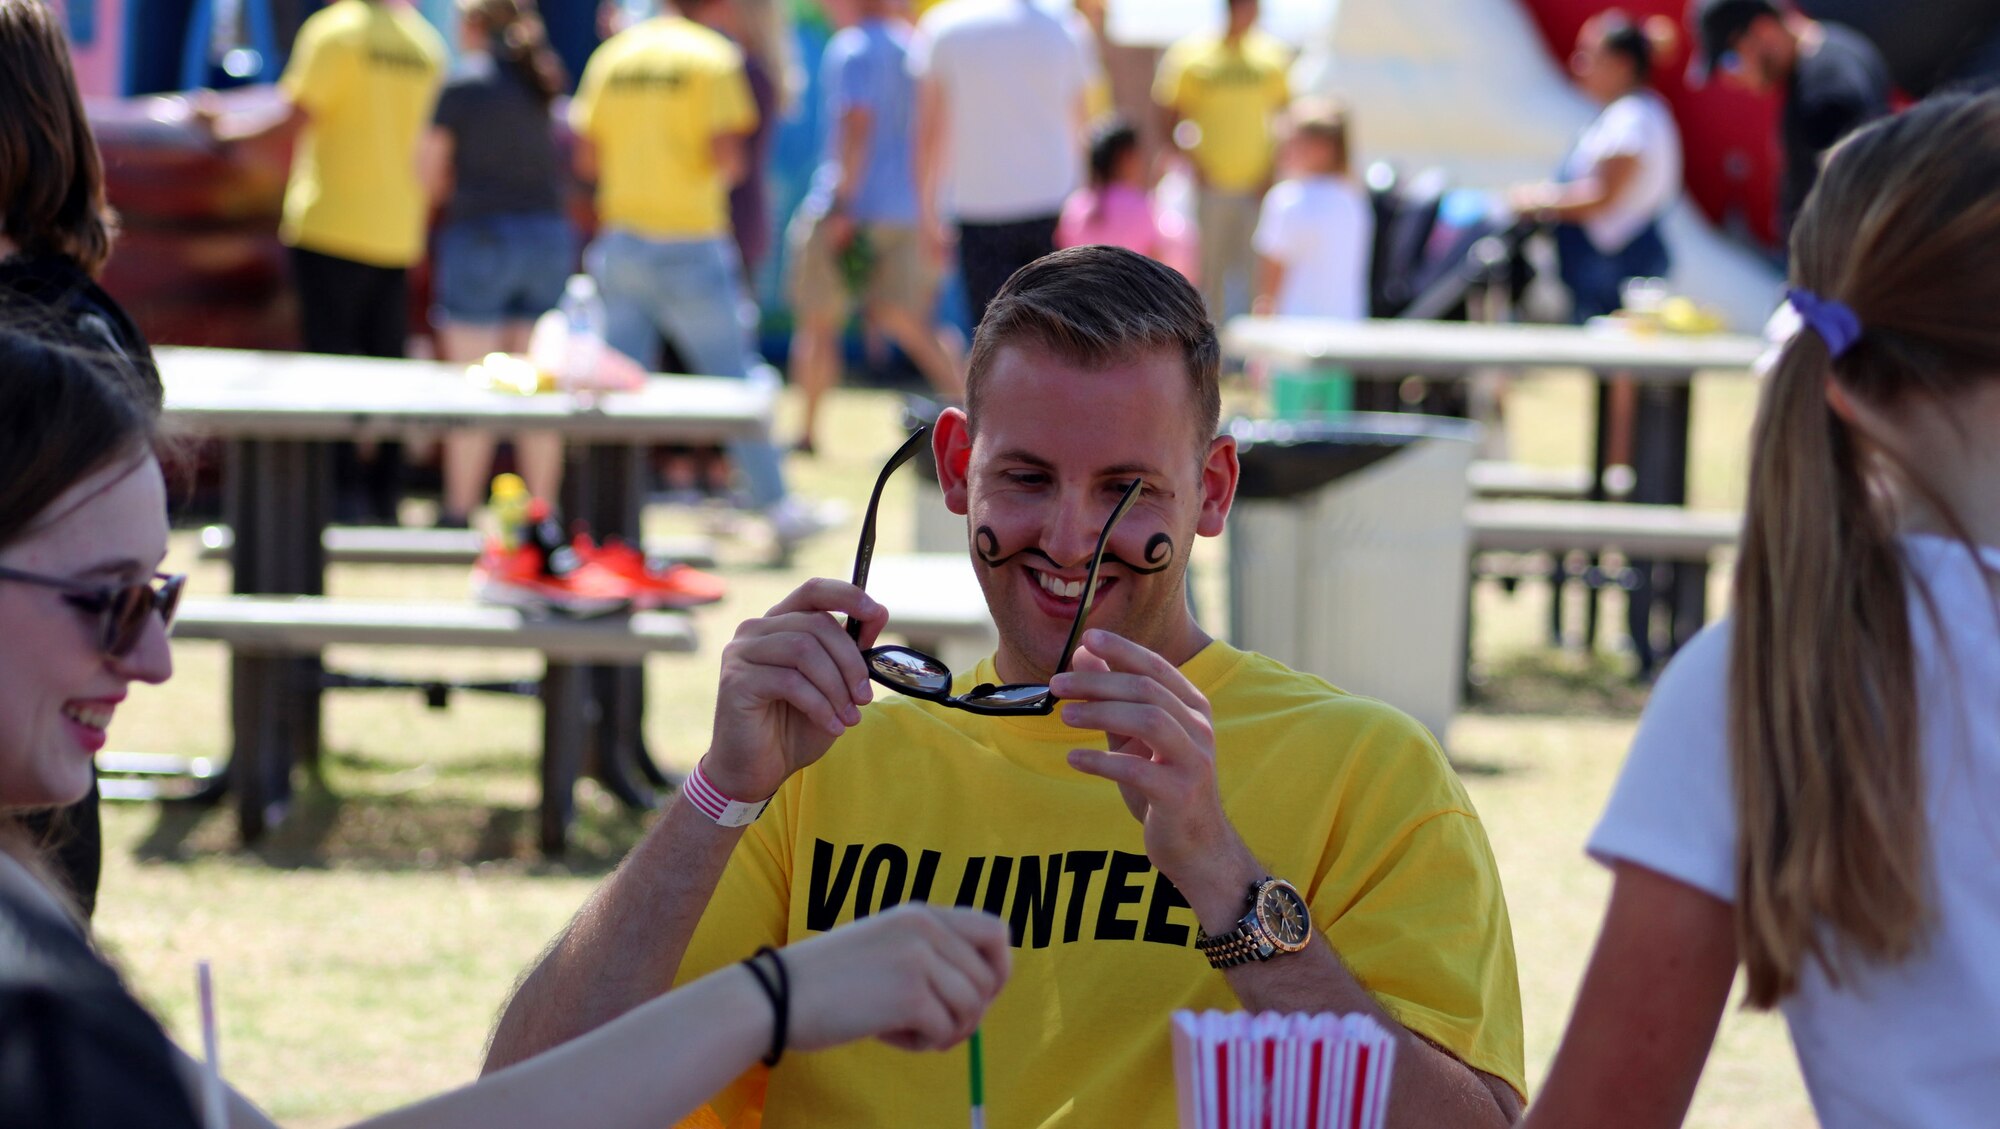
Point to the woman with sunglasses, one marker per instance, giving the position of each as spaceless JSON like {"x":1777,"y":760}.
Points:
{"x":55,"y":236}
{"x":84,"y":613}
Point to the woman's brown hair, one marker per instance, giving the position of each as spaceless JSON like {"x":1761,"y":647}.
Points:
{"x":51,"y":178}
{"x":1832,"y":860}
{"x":516,"y":37}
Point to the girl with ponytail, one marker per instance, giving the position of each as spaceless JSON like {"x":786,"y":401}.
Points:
{"x":504,"y":246}
{"x":1814,"y":791}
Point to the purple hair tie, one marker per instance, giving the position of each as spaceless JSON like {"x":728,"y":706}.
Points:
{"x":1833,"y":321}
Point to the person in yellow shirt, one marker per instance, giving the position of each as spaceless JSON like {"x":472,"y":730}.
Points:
{"x":1189,"y":826}
{"x":662,"y":115}
{"x":1221,"y":96}
{"x":358,"y":89}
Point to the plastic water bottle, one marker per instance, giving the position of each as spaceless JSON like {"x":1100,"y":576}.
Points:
{"x":583,"y":338}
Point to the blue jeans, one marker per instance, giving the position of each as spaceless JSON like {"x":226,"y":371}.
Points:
{"x":1593,"y":276}
{"x":689,"y":291}
{"x":496,"y":269}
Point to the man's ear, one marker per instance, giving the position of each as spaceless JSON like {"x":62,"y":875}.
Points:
{"x":1219,"y":472}
{"x":951,"y":444}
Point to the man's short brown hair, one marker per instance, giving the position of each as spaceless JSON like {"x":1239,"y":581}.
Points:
{"x":1093,"y":305}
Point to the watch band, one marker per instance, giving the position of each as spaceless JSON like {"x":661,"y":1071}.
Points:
{"x":1251,"y":939}
{"x":710,"y":801}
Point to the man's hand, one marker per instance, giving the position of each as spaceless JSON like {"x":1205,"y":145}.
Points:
{"x":839,"y":226}
{"x":791,"y":683}
{"x":1161,"y":756}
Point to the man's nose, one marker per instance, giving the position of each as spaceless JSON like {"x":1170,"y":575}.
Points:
{"x":1071,"y":535}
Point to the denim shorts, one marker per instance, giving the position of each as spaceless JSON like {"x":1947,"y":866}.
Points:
{"x":503,"y":268}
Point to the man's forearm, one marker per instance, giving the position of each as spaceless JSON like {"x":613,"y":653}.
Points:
{"x":1432,"y":1089}
{"x":625,"y":945}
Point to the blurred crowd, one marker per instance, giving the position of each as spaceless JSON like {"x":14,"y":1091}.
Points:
{"x":970,"y":140}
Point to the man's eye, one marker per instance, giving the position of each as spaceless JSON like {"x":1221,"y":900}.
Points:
{"x":1026,"y":478}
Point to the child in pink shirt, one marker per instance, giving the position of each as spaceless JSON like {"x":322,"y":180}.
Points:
{"x":1114,"y":208}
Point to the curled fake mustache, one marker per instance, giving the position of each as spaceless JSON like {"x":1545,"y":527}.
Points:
{"x":1159,"y":553}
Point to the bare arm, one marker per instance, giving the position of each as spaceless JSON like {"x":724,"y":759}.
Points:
{"x":791,"y":682}
{"x":434,"y":157}
{"x":1162,"y":756}
{"x":1270,"y":278}
{"x":917,"y":978}
{"x":625,"y":945}
{"x":1580,"y":200}
{"x":852,"y":147}
{"x":731,"y":154}
{"x":229,"y":124}
{"x":583,"y":159}
{"x":933,"y":149}
{"x":1648,"y":1010}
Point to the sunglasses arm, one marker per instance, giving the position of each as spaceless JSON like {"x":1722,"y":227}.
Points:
{"x":864,"y":553}
{"x":1090,"y":579}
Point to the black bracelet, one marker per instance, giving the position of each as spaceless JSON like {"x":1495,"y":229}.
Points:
{"x":779,"y":989}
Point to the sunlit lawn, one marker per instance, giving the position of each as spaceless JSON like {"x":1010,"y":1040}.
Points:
{"x":362,"y":951}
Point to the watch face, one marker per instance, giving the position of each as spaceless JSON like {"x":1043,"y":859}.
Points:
{"x":1284,"y":916}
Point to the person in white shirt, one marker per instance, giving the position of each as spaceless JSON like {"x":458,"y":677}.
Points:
{"x":1812,"y":792}
{"x":1000,"y":133}
{"x":1314,"y":241}
{"x":1621,"y":175}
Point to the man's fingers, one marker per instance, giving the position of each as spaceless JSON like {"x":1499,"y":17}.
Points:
{"x":1123,"y":769}
{"x":1175,"y":734}
{"x":1121,"y":654}
{"x":807,"y":655}
{"x":825,"y":594}
{"x":783,"y":684}
{"x":1114,"y":686}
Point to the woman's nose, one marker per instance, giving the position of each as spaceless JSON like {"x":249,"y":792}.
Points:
{"x":151,"y":660}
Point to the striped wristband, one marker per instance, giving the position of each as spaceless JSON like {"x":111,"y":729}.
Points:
{"x":712,"y":803}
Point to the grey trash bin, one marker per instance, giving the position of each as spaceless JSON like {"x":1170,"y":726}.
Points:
{"x":938,"y":530}
{"x":1347,"y":553}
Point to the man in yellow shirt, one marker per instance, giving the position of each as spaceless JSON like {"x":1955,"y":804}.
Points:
{"x":1220,"y":96}
{"x":1134,"y":838}
{"x":359,"y":88}
{"x":661,"y":115}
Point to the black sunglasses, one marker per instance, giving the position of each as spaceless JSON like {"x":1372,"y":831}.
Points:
{"x":121,"y":610}
{"x":909,"y":671}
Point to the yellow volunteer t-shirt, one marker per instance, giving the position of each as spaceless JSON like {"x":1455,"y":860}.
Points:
{"x":367,"y":75}
{"x":653,"y":99}
{"x":1346,"y":797}
{"x":1230,"y":93}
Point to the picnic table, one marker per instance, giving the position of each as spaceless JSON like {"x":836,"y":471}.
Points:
{"x":278,"y":415}
{"x":1663,"y":365}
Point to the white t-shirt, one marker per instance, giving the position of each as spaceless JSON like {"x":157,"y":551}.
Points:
{"x":1013,"y":77}
{"x":1323,"y":230}
{"x":1636,"y":125}
{"x":1913,"y":1044}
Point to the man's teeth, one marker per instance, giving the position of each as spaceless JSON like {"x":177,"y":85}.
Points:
{"x":1067,"y":589}
{"x":96,"y":717}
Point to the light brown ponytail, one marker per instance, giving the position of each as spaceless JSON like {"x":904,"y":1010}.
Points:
{"x":1832,"y":856}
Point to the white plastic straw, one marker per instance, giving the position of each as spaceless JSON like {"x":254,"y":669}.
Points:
{"x":215,"y":1108}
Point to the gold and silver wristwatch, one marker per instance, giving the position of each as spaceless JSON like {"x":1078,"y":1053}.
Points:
{"x":1277,"y":922}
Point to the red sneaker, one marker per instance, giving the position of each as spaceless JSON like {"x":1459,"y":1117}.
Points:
{"x":670,"y":586}
{"x":515,"y":578}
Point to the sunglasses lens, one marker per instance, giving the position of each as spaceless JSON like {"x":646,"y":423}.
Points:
{"x":906,"y":669}
{"x":126,"y":616}
{"x":1014,"y":694}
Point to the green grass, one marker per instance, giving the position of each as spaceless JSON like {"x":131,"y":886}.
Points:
{"x":363,"y":950}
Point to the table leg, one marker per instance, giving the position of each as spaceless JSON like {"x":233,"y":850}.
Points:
{"x":276,"y":500}
{"x":609,"y":494}
{"x":1660,"y":464}
{"x":566,"y":705}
